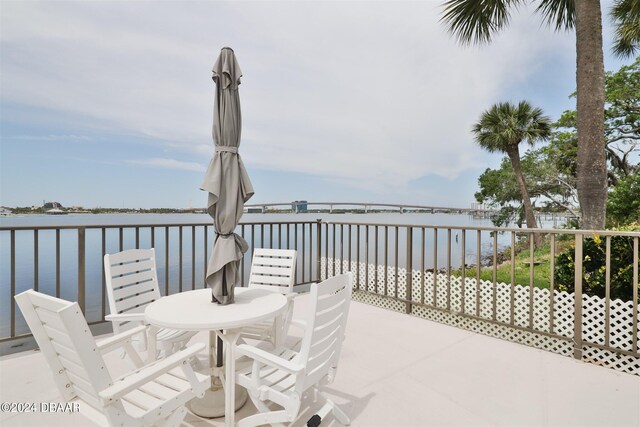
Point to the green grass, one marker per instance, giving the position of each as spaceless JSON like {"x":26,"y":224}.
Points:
{"x":541,"y":269}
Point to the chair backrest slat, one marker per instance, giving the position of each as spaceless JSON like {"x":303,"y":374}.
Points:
{"x":136,"y":303}
{"x":67,"y":353}
{"x":322,"y":338}
{"x":319,"y":369}
{"x":326,"y":324}
{"x":273,"y":269}
{"x":138,"y":277}
{"x":58,"y":336}
{"x":71,"y":364}
{"x":128,"y":291}
{"x":37,"y":329}
{"x":131,"y":282}
{"x":131,"y":262}
{"x":64,"y":337}
{"x":49,"y":318}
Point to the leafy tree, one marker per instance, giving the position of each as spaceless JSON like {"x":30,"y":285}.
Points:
{"x":622,"y":119}
{"x":624,"y":201}
{"x":553,"y":189}
{"x":502,"y":128}
{"x":498,"y":189}
{"x":476,"y":21}
{"x":550,"y":171}
{"x":622,"y":123}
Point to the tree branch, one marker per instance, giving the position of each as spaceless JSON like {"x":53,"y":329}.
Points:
{"x":565,"y":206}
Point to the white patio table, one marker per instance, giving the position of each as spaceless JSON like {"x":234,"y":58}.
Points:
{"x":194,"y":311}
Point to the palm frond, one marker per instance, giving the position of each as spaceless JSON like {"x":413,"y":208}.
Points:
{"x":560,"y":14}
{"x":475,"y":21}
{"x":626,"y":18}
{"x":505,"y":125}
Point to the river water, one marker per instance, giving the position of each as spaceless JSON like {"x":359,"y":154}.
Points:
{"x":257,"y":236}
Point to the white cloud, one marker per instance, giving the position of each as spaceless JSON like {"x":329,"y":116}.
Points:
{"x":169,"y":164}
{"x":374,"y":94}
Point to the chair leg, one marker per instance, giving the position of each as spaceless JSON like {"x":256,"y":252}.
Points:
{"x":329,"y":406}
{"x":264,"y":416}
{"x":339,"y":413}
{"x":175,"y":419}
{"x":274,"y":418}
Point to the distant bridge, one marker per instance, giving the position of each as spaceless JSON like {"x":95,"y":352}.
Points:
{"x":367,"y":206}
{"x":401,"y":207}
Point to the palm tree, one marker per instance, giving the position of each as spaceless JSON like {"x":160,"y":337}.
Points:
{"x":476,"y":21}
{"x":502,"y":128}
{"x":626,"y":16}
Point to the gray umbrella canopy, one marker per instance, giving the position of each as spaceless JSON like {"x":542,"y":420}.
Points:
{"x":226,"y":181}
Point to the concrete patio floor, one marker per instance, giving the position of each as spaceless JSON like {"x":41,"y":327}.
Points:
{"x":399,"y":370}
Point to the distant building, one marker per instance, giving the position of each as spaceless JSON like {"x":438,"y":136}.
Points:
{"x":52,"y":205}
{"x":4,"y":211}
{"x":299,"y":206}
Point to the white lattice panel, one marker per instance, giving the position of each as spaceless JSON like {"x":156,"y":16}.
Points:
{"x":541,"y":310}
{"x":504,"y":332}
{"x":593,"y":323}
{"x":563,"y":308}
{"x":609,"y":359}
{"x":486,"y":300}
{"x":503,"y":303}
{"x":379,"y":301}
{"x":621,"y":328}
{"x":512,"y":305}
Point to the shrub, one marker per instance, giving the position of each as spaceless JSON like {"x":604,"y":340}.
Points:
{"x":623,"y":206}
{"x":594,"y":267}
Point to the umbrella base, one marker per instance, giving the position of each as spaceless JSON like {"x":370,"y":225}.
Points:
{"x":212,"y":404}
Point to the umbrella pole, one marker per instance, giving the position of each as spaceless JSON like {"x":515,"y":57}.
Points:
{"x":219,"y":352}
{"x":219,"y":349}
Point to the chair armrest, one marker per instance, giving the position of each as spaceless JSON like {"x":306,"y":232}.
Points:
{"x":109,"y":344}
{"x":125,"y":317}
{"x":149,"y":373}
{"x":267,"y":358}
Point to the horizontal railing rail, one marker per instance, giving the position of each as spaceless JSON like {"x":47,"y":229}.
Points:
{"x":395,"y":262}
{"x":495,"y":229}
{"x":432,"y":270}
{"x":66,"y":261}
{"x":139,"y":225}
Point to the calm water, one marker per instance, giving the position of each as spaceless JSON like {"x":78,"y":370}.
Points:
{"x":258,"y":236}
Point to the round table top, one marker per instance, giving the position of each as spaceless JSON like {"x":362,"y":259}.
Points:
{"x":194,"y":311}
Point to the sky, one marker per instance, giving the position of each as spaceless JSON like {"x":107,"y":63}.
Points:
{"x":109,"y":104}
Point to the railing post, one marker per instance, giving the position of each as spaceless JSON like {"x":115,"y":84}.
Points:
{"x":81,"y":268}
{"x":409,"y":272}
{"x":577,"y":312}
{"x":319,"y":246}
{"x":13,"y":283}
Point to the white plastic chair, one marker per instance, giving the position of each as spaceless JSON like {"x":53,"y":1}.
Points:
{"x":151,"y":395}
{"x":284,"y":376}
{"x":273,"y":270}
{"x":132,"y":283}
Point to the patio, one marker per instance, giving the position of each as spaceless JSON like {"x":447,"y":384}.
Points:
{"x":397,"y":369}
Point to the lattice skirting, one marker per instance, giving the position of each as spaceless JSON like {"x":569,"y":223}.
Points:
{"x":372,"y":283}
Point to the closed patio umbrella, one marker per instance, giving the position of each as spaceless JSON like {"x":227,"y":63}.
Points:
{"x":226,"y":180}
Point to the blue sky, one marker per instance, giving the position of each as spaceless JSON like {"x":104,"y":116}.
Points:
{"x":110,"y":103}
